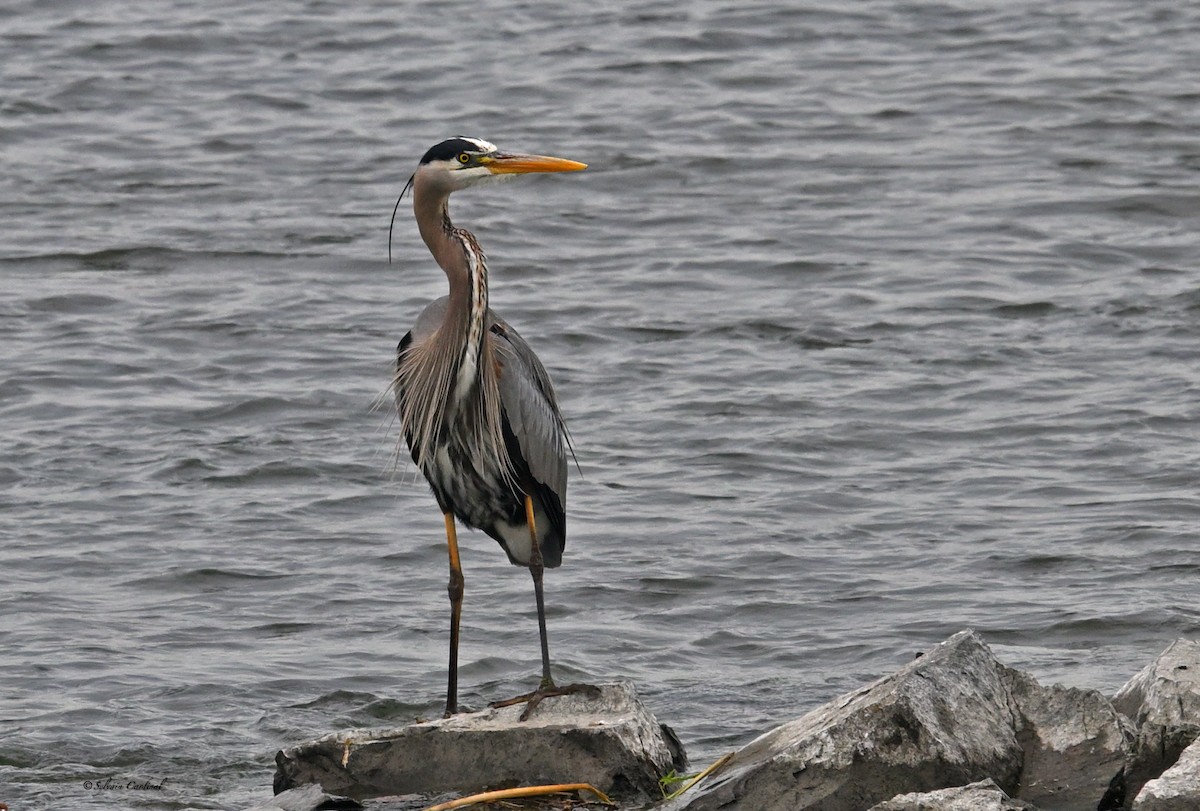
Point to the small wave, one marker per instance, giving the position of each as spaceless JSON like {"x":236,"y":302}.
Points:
{"x":338,"y":699}
{"x":209,"y":574}
{"x":206,"y":577}
{"x":253,"y":407}
{"x":138,"y":257}
{"x":759,"y":330}
{"x":1033,"y":309}
{"x":270,"y":472}
{"x":272,"y":102}
{"x":279,"y":630}
{"x":72,"y":303}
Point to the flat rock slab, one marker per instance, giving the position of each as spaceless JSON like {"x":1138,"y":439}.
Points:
{"x":945,"y":719}
{"x":982,"y":796}
{"x":611,"y":741}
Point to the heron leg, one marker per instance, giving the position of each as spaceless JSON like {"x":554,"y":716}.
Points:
{"x":547,"y":688}
{"x":455,"y":589}
{"x":536,"y":568}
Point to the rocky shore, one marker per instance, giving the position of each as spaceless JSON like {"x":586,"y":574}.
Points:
{"x":954,"y":730}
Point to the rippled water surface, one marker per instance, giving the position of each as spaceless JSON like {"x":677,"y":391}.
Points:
{"x":871,"y":323}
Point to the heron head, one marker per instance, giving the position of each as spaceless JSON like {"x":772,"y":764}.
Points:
{"x":461,"y":162}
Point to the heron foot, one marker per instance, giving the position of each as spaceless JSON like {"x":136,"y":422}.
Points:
{"x":531,"y":700}
{"x":458,"y":709}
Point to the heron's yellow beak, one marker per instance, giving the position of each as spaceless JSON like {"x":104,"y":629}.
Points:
{"x":502,"y":164}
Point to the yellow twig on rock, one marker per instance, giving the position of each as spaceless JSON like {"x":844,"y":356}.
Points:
{"x":524,"y":791}
{"x":716,"y":764}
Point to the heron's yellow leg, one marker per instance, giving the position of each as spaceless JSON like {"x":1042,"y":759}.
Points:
{"x":455,"y":588}
{"x":529,"y":519}
{"x":452,"y":542}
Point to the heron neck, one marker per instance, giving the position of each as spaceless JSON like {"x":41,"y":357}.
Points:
{"x":433,"y":221}
{"x":460,"y":256}
{"x":446,"y":243}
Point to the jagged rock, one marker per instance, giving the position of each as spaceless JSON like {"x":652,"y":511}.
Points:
{"x":945,"y":719}
{"x":1074,"y":743}
{"x":307,"y":798}
{"x":611,"y":741}
{"x":982,"y":796}
{"x":1177,"y":789}
{"x":1163,"y":701}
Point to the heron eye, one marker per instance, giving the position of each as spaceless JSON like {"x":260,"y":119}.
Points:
{"x":464,"y":158}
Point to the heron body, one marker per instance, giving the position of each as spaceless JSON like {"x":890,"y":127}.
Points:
{"x":475,"y":404}
{"x":477,"y":487}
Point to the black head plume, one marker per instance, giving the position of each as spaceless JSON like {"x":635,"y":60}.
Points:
{"x":396,"y":208}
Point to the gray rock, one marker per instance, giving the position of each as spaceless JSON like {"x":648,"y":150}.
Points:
{"x":1074,"y":743}
{"x":307,"y":798}
{"x":982,"y":796}
{"x":1167,"y":691}
{"x":945,"y":719}
{"x":1163,"y":701}
{"x":1177,"y":789}
{"x":612,"y":742}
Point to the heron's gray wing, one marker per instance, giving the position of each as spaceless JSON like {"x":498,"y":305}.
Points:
{"x":531,"y":409}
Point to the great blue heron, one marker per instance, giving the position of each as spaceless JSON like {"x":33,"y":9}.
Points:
{"x":476,"y":405}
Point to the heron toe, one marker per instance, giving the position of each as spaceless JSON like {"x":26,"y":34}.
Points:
{"x":533,"y":699}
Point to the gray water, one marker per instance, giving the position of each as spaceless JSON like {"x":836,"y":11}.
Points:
{"x":871,"y":322}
